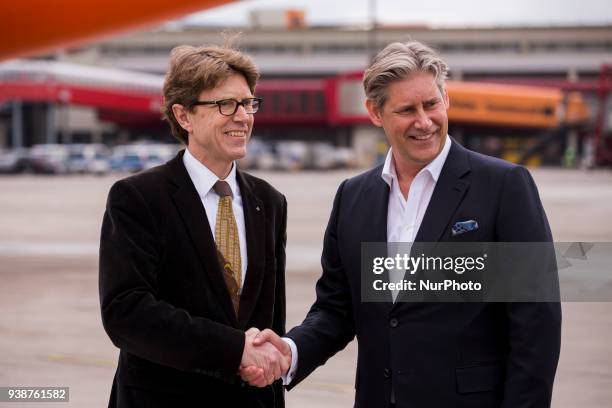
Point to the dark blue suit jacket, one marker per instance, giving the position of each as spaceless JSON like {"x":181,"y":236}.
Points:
{"x":435,"y":354}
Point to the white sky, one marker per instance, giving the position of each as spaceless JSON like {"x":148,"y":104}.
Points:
{"x":430,"y":12}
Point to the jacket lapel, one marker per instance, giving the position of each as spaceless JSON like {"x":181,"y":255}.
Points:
{"x":193,"y":215}
{"x":448,"y":193}
{"x":254,"y":219}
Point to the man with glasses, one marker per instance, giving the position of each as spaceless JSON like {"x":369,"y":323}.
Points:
{"x":192,"y":252}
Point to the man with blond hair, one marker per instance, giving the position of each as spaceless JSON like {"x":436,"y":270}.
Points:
{"x":192,"y":253}
{"x":430,"y":189}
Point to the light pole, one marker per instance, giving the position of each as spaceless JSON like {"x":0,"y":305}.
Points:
{"x":372,"y":46}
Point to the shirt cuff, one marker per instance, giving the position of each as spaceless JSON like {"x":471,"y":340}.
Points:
{"x":287,"y":378}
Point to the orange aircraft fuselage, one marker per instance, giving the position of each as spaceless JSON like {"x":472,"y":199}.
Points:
{"x":31,"y":27}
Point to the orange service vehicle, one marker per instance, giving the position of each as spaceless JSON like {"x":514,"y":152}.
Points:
{"x":481,"y":104}
{"x":514,"y":105}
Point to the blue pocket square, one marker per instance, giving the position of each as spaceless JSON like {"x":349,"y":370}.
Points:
{"x":464,"y":226}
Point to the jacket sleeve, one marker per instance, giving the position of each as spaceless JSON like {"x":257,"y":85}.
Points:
{"x":534,"y":329}
{"x":135,"y":319}
{"x":278,"y":324}
{"x":280,"y":305}
{"x":328,"y":326}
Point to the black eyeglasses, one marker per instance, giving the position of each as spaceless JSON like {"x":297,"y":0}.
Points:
{"x":228,"y":107}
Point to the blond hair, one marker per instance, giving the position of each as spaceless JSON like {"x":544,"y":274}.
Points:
{"x":397,"y":61}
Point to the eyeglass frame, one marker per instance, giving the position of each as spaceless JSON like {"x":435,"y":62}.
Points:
{"x":238,"y":103}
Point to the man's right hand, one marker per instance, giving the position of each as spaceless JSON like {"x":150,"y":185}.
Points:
{"x":262,"y":363}
{"x":269,"y":355}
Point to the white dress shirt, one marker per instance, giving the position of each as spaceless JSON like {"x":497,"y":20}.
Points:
{"x":203,"y":179}
{"x":404,"y":217}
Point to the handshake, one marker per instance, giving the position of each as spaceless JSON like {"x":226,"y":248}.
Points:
{"x":266,"y":357}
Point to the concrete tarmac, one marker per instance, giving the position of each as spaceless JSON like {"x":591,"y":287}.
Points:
{"x":50,"y":329}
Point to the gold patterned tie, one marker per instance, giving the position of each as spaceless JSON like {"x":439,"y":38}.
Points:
{"x":228,"y":242}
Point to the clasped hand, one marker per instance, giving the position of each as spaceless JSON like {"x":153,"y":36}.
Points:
{"x":266,"y":357}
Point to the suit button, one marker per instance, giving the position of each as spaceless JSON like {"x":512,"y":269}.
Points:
{"x":394,"y":322}
{"x":387,"y":373}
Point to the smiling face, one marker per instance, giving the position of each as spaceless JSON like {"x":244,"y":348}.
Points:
{"x":214,"y":139}
{"x":414,"y":118}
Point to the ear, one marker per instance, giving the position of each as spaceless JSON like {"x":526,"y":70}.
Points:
{"x":181,"y":116}
{"x":373,"y":112}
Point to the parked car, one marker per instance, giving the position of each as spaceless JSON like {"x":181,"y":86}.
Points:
{"x":259,"y":156}
{"x":123,"y":160}
{"x":345,"y":158}
{"x":323,"y":156}
{"x":141,"y":156}
{"x":48,"y":159}
{"x":14,"y":161}
{"x":292,"y":155}
{"x":158,"y":154}
{"x":88,"y":158}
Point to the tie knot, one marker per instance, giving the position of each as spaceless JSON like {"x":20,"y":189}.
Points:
{"x":222,"y":188}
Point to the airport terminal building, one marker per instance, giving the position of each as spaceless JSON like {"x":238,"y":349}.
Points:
{"x":530,"y":94}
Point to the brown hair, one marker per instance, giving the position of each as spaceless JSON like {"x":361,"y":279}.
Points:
{"x":195,"y":69}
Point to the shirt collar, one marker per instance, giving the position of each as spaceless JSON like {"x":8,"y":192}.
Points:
{"x":434,"y":168}
{"x":204,"y":179}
